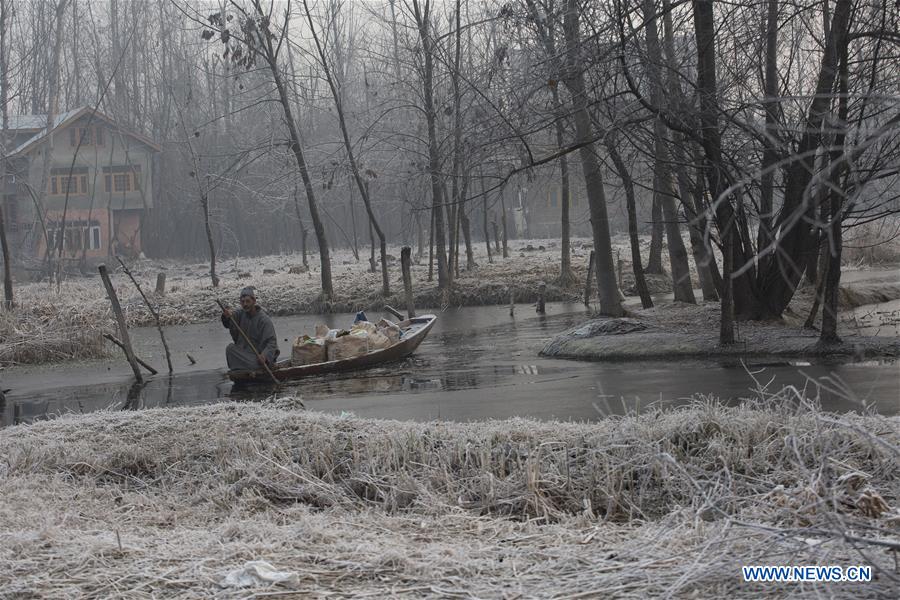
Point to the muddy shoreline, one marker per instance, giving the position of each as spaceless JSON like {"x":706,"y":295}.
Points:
{"x":49,"y":327}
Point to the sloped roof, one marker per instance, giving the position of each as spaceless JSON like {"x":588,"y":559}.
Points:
{"x":38,"y":123}
{"x":17,"y":122}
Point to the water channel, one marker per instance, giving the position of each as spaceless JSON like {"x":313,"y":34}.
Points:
{"x":477,"y":363}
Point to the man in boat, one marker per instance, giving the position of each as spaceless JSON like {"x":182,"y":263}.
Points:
{"x":253,"y":321}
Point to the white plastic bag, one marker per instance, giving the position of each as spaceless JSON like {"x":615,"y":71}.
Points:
{"x":257,"y":572}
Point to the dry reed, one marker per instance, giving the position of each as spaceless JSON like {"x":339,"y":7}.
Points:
{"x":166,"y":502}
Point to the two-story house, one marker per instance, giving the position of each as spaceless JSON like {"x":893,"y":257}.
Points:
{"x":87,"y":176}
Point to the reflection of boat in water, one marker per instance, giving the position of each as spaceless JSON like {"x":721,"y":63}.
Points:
{"x":414,"y":332}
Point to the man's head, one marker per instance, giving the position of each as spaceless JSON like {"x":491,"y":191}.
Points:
{"x":248,"y":299}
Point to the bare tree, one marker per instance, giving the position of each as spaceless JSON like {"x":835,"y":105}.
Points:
{"x":4,"y":107}
{"x":610,"y":304}
{"x":361,"y":184}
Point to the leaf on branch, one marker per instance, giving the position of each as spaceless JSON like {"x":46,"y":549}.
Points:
{"x":196,"y":134}
{"x":371,"y":174}
{"x":225,"y":36}
{"x":215,"y":19}
{"x":207,"y":34}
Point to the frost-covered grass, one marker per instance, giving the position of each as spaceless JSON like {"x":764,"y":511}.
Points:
{"x":165,"y":502}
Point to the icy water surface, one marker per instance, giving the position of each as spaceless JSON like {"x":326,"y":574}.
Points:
{"x":477,"y":363}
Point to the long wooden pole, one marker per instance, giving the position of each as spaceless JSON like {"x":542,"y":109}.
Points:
{"x":265,"y":364}
{"x":120,"y":319}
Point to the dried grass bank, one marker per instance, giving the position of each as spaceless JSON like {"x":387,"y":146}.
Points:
{"x":166,"y":502}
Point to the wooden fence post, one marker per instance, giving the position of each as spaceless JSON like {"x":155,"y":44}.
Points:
{"x":405,"y":261}
{"x":161,"y":284}
{"x":120,"y":319}
{"x":542,"y":291}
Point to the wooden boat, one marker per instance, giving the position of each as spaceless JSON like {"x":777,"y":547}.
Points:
{"x":414,"y":332}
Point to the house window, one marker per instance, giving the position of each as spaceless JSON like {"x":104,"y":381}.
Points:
{"x":79,"y":235}
{"x":86,"y":136}
{"x":122,"y":179}
{"x":95,"y":238}
{"x":64,"y":182}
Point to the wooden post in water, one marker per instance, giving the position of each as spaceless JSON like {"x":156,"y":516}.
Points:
{"x":120,"y":319}
{"x":405,"y":261}
{"x":512,"y":302}
{"x":161,"y":284}
{"x":587,"y":285}
{"x":542,"y":291}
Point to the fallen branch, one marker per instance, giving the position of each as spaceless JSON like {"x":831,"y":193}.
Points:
{"x":115,"y":341}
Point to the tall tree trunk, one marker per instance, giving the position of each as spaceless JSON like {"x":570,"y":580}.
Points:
{"x":784,"y":268}
{"x":457,"y":146}
{"x":271,"y":57}
{"x":431,"y":245}
{"x":717,"y":174}
{"x":422,"y":13}
{"x":662,"y":174}
{"x":640,"y":281}
{"x":503,"y":221}
{"x":465,"y":225}
{"x":348,"y":147}
{"x":484,"y":215}
{"x":704,"y":259}
{"x":4,"y":99}
{"x":373,"y":264}
{"x":772,"y":107}
{"x":654,"y":262}
{"x":303,"y":232}
{"x":610,"y":303}
{"x":204,"y":203}
{"x":829,"y":333}
{"x":706,"y":86}
{"x":420,"y":234}
{"x":545,"y":22}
